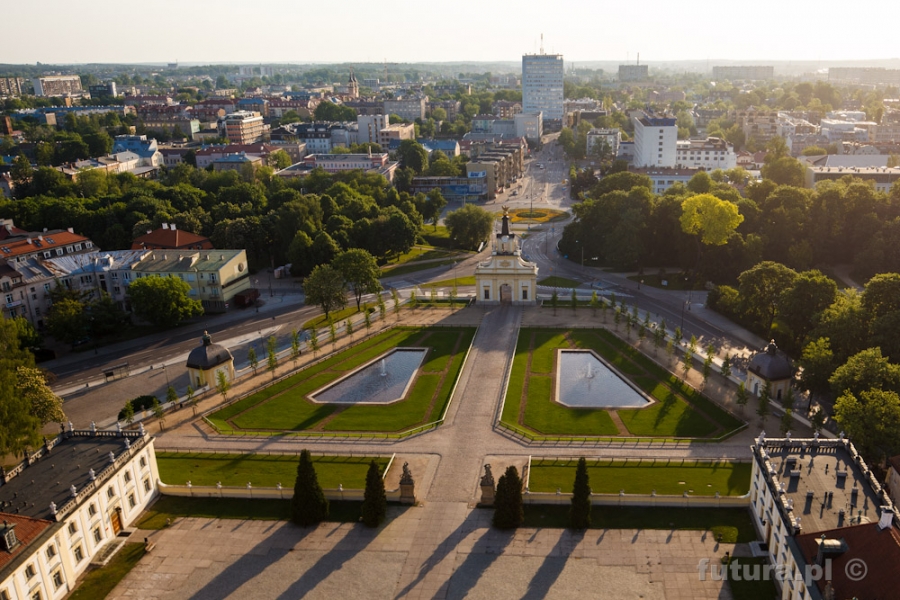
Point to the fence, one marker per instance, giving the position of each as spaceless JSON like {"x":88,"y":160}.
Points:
{"x":648,"y":500}
{"x":249,"y":492}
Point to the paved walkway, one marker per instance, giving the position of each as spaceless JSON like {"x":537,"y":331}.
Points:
{"x":442,"y":550}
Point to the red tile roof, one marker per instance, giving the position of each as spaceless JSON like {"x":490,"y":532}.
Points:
{"x":27,"y":530}
{"x":40,"y":242}
{"x":11,"y":230}
{"x":171,"y":239}
{"x":879,"y":551}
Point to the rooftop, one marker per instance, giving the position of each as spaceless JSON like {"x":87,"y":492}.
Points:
{"x":26,"y":529}
{"x":823,"y":484}
{"x":173,"y":238}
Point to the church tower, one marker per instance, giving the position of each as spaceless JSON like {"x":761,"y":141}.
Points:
{"x":352,"y":86}
{"x":506,"y":277}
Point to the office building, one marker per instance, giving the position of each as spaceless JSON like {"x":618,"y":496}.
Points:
{"x":655,"y":140}
{"x":542,"y":85}
{"x":408,"y":109}
{"x":596,"y":138}
{"x":710,"y":154}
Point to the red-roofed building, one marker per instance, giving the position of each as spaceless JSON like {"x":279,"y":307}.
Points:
{"x":25,"y":530}
{"x":207,"y":156}
{"x":874,"y":548}
{"x":168,"y":237}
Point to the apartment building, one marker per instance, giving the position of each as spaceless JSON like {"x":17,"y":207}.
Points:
{"x":146,"y":148}
{"x":321,"y":137}
{"x":864,"y":75}
{"x":505,"y":109}
{"x":464,"y":189}
{"x":756,"y":124}
{"x":655,"y":140}
{"x":244,"y":127}
{"x":710,"y":154}
{"x":542,"y":85}
{"x":210,"y":154}
{"x":634,"y":73}
{"x":336,"y":163}
{"x":11,"y":87}
{"x":611,"y":137}
{"x":409,"y":108}
{"x":57,"y":85}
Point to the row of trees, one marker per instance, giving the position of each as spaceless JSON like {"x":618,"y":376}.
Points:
{"x":509,"y":510}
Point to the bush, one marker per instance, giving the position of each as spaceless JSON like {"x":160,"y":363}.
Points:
{"x":138,"y":404}
{"x":508,"y":507}
{"x":309,"y":505}
{"x":374,"y":506}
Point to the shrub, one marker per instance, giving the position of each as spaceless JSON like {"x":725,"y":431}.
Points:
{"x":138,"y":404}
{"x":374,"y":506}
{"x":309,"y":505}
{"x":508,"y":507}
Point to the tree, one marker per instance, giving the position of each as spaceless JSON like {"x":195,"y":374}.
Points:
{"x":295,"y":346}
{"x":864,"y":371}
{"x":708,"y":363}
{"x":374,"y":507}
{"x":191,"y":399}
{"x":873,"y":421}
{"x":595,"y":303}
{"x":67,"y":321}
{"x":252,"y":359}
{"x":325,"y":287}
{"x":128,"y":413}
{"x":787,"y":421}
{"x":156,"y":407}
{"x":171,"y":395}
{"x":469,"y":226}
{"x":413,"y":156}
{"x":43,"y":404}
{"x":725,"y":370}
{"x":574,"y":300}
{"x":360,"y":272}
{"x":223,"y":384}
{"x":280,"y":160}
{"x":314,"y":340}
{"x":381,"y":307}
{"x":761,"y":290}
{"x":554,"y":301}
{"x":332,"y":334}
{"x":710,"y":218}
{"x":784,"y":171}
{"x":309,"y":505}
{"x":580,"y":511}
{"x":348,"y":328}
{"x":367,"y":318}
{"x":395,"y":297}
{"x":763,"y":409}
{"x":163,"y":301}
{"x":508,"y":506}
{"x":741,"y":397}
{"x":271,"y":356}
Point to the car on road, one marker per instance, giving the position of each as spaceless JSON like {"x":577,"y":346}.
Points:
{"x":515,"y":192}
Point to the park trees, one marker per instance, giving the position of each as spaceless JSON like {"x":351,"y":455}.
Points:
{"x":325,"y":287}
{"x":761,"y":288}
{"x":413,"y":155}
{"x":469,"y":226}
{"x":309,"y":505}
{"x":163,"y":301}
{"x":360,"y":272}
{"x":710,"y":219}
{"x":872,"y":418}
{"x":67,"y":321}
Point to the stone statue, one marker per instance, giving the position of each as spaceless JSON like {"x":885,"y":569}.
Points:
{"x":505,"y":211}
{"x":488,"y":478}
{"x":406,"y":478}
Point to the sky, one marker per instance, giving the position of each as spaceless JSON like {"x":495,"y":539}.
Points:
{"x":203,"y":31}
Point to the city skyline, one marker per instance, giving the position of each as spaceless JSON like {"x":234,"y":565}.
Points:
{"x":698,"y":30}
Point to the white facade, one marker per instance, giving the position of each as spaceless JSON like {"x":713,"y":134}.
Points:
{"x":529,"y":125}
{"x":709,"y":154}
{"x":75,"y":532}
{"x":655,"y":141}
{"x":611,"y":137}
{"x":369,"y":127}
{"x":542,"y":85}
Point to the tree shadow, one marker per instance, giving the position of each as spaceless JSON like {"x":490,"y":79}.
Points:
{"x":483,"y":554}
{"x":553,"y":565}
{"x":252,"y":563}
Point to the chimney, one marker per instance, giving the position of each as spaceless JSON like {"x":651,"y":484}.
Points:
{"x":820,"y":554}
{"x":70,"y":230}
{"x":165,"y":225}
{"x":887,"y":518}
{"x":172,"y":226}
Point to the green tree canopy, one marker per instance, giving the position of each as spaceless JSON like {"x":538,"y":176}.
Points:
{"x":714,"y":220}
{"x":163,"y":301}
{"x":469,"y":226}
{"x":309,"y":505}
{"x":872,"y":418}
{"x":360,"y":271}
{"x":325,"y":288}
{"x":866,"y":370}
{"x":761,"y":288}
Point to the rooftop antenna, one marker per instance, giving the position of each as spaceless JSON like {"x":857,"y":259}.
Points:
{"x":542,"y":43}
{"x":639,"y":58}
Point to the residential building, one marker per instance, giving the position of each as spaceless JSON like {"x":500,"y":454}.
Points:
{"x":542,"y":85}
{"x":864,"y":75}
{"x":396,"y":133}
{"x":881,"y":177}
{"x":840,"y":130}
{"x":169,"y":237}
{"x":148,"y":100}
{"x":466,"y":189}
{"x":529,"y":125}
{"x":321,"y":137}
{"x":702,"y":116}
{"x":244,"y":127}
{"x":11,"y":87}
{"x":743,"y":72}
{"x":710,"y":154}
{"x":448,"y":147}
{"x":65,"y":505}
{"x":818,"y":508}
{"x":505,"y":109}
{"x":663,"y":178}
{"x":758,"y":125}
{"x":655,"y":140}
{"x":237,"y":162}
{"x":634,"y":73}
{"x":336,"y":163}
{"x":369,"y":126}
{"x":451,"y":107}
{"x":257,"y":105}
{"x":408,"y":108}
{"x":103,"y":90}
{"x":210,"y":154}
{"x":498,"y":165}
{"x":57,"y":85}
{"x":186,"y":127}
{"x":665,"y":97}
{"x":7,"y":186}
{"x":611,"y":137}
{"x":146,"y":149}
{"x":366,"y":107}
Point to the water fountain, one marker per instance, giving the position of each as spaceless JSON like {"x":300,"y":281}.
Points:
{"x":383,"y":380}
{"x":584,"y":380}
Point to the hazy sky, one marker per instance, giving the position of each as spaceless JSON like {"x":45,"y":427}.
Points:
{"x":63,"y":31}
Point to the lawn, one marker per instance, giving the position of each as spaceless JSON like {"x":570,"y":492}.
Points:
{"x":337,"y":317}
{"x":413,"y":267}
{"x":201,"y":468}
{"x":285,"y":406}
{"x":100,"y":582}
{"x":445,"y":283}
{"x":258,"y":509}
{"x":666,"y":476}
{"x":559,"y":282}
{"x":679,"y":411}
{"x":733,"y":524}
{"x":438,"y":237}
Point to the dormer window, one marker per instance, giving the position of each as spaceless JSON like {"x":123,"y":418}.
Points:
{"x":9,"y":540}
